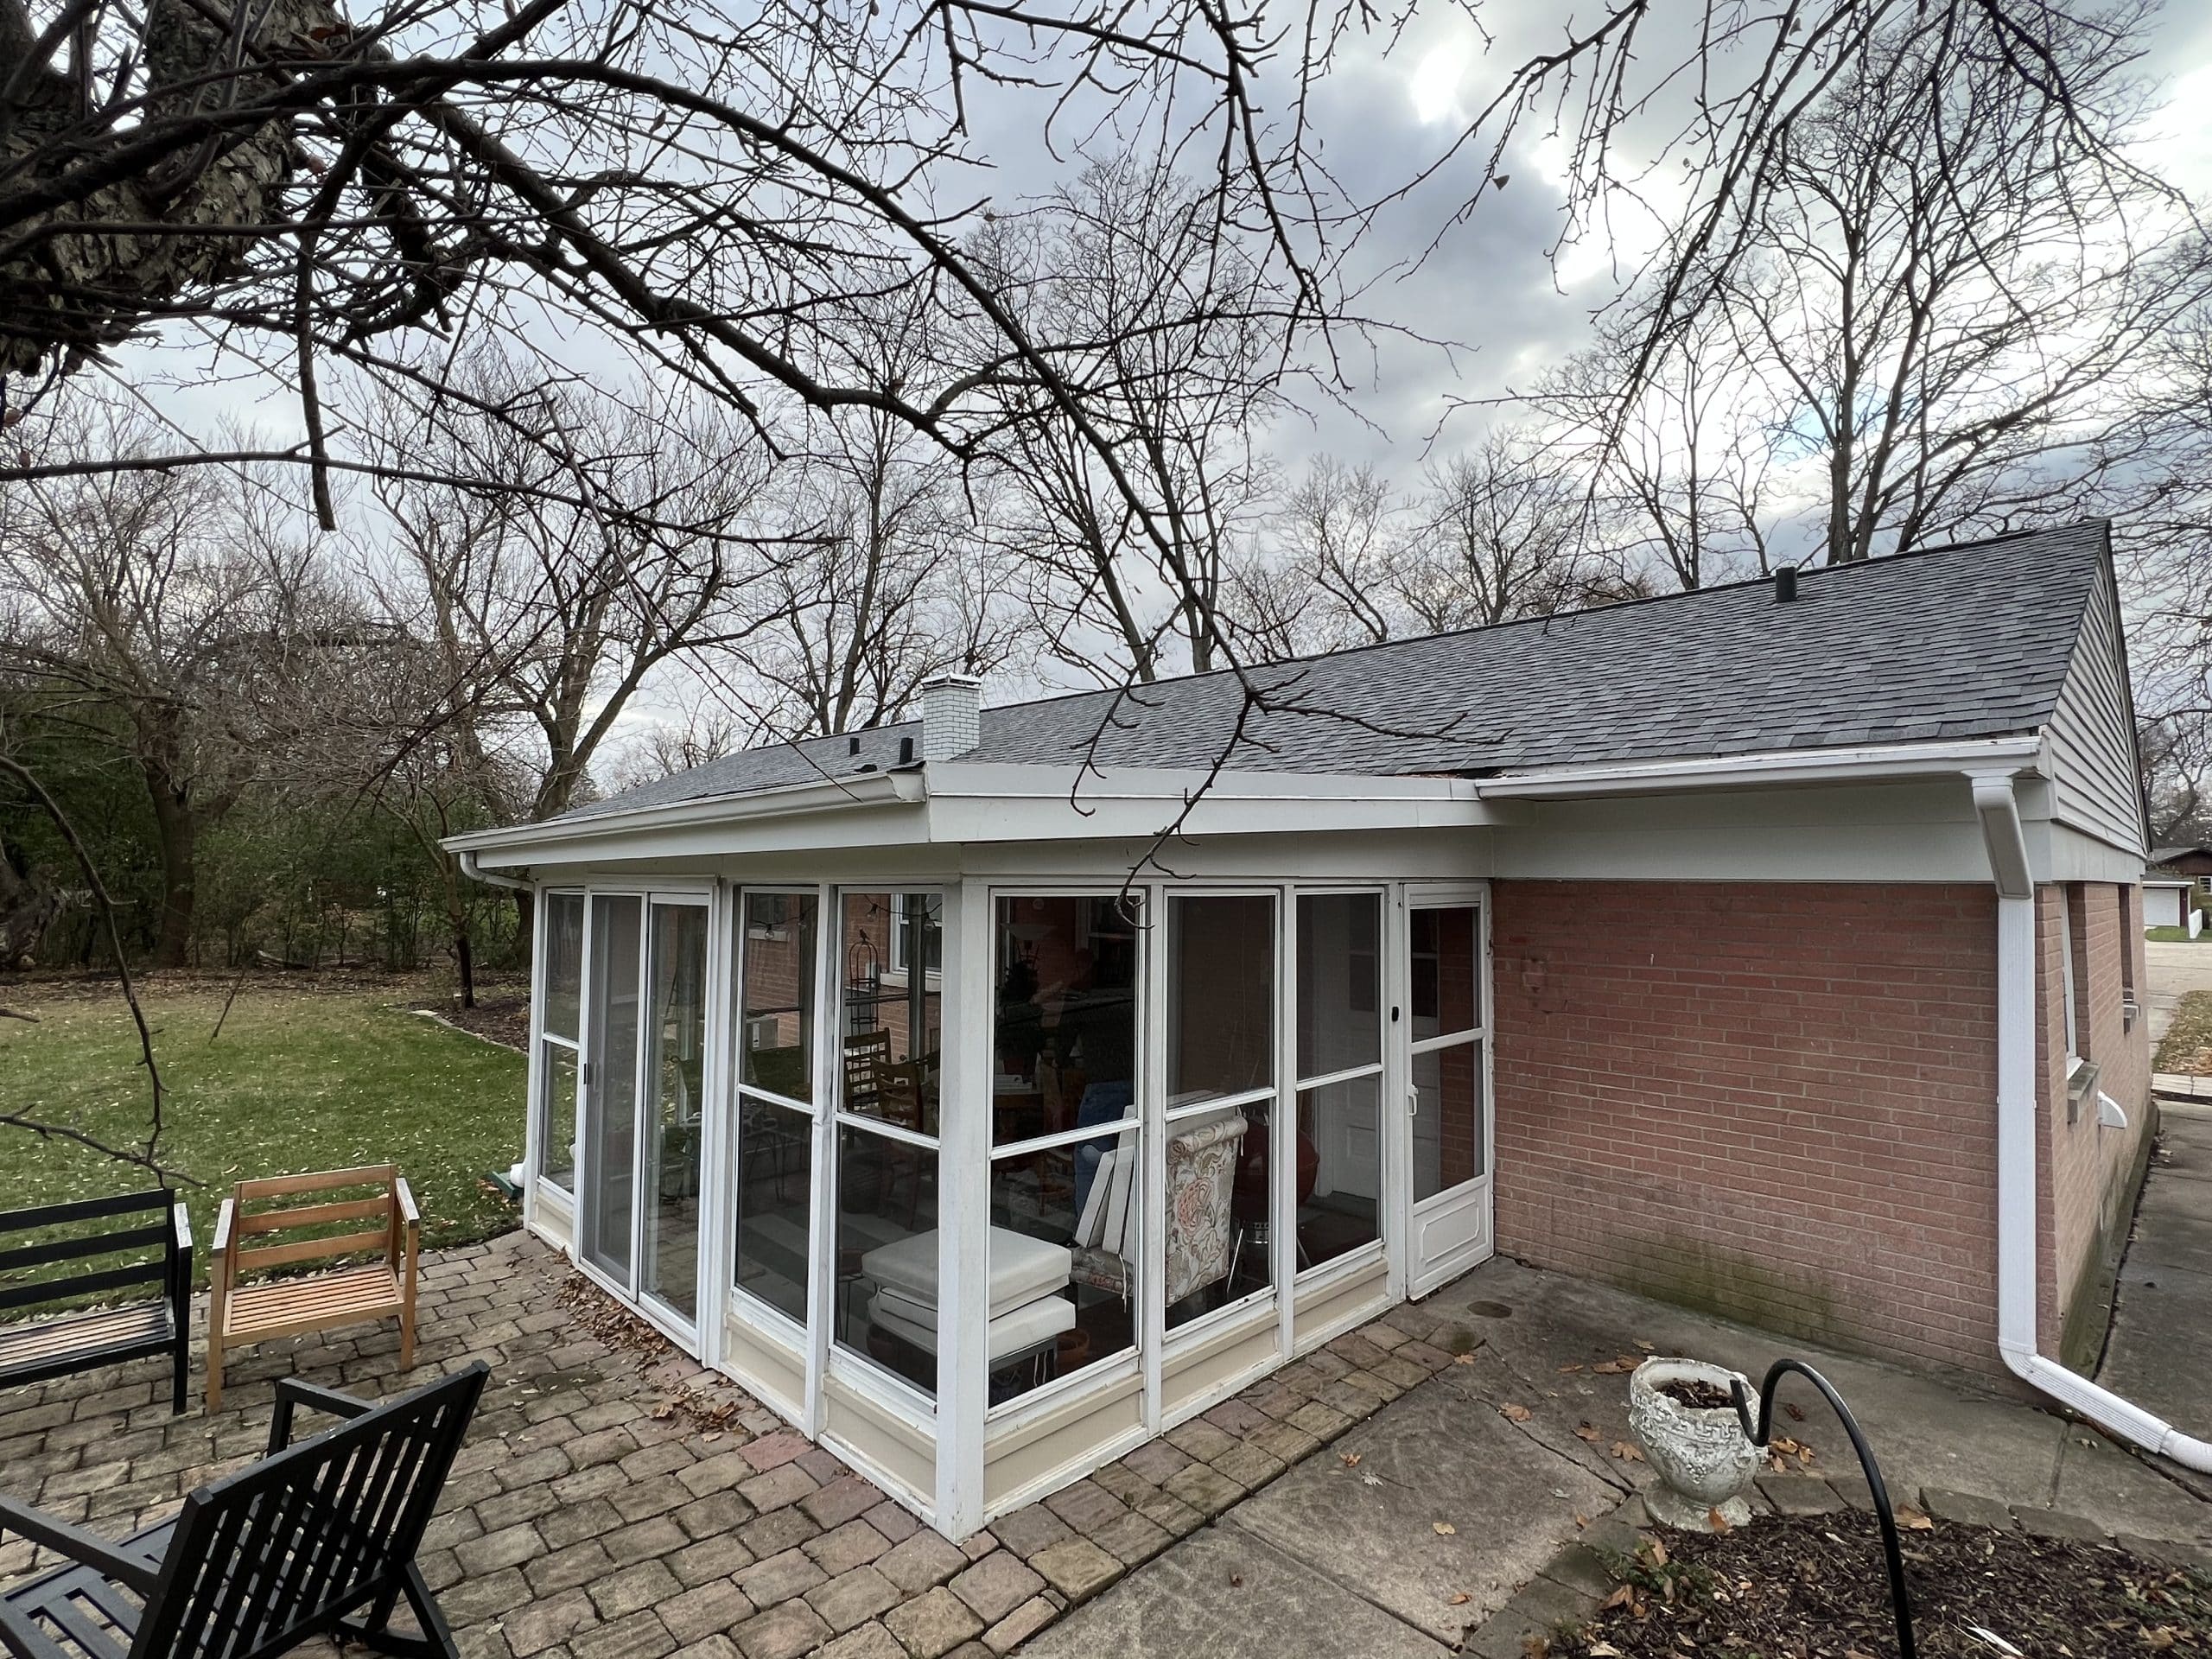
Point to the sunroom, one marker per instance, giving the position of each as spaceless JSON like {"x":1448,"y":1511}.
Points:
{"x":984,"y":1160}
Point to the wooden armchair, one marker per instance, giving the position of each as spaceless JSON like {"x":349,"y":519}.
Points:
{"x":239,"y":1314}
{"x":315,"y":1540}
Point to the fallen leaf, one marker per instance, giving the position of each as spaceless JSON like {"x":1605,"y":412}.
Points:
{"x":1461,"y":1600}
{"x":1514,"y":1413}
{"x":1236,"y":1580}
{"x":1604,"y":1650}
{"x":1568,"y":1370}
{"x":1370,"y":1480}
{"x":1444,"y":1529}
{"x":1608,"y":1368}
{"x":1628,"y":1451}
{"x":1914,"y":1520}
{"x":1622,"y":1593}
{"x":1795,"y":1415}
{"x":1350,"y":1460}
{"x":1463,"y":1359}
{"x":1717,"y":1520}
{"x":1642,"y":1343}
{"x":1589,"y":1432}
{"x":1580,"y":1519}
{"x":1658,"y":1552}
{"x":1627,"y":1362}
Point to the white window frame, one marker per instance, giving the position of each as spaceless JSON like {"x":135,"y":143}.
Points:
{"x":1376,"y":1249}
{"x":2074,"y":1057}
{"x":746,"y":1308}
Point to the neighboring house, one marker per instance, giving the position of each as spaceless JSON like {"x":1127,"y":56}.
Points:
{"x":2190,"y":864}
{"x":1770,"y":950}
{"x":2171,"y":902}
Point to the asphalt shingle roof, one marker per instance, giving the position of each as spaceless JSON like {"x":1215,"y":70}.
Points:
{"x":1971,"y":640}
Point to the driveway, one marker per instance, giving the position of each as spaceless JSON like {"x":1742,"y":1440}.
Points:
{"x":2175,"y":969}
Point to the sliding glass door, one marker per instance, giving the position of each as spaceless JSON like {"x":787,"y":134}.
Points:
{"x":643,"y":1094}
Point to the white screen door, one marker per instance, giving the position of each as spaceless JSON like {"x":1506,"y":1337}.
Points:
{"x":1446,"y":1031}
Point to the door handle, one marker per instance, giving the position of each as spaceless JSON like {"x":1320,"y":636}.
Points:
{"x":1413,"y":1103}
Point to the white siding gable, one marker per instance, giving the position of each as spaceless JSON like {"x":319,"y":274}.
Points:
{"x":2091,"y":733}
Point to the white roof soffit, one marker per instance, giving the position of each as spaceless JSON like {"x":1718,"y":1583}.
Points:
{"x":1882,"y":764}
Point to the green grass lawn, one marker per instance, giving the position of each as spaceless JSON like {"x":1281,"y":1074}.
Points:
{"x":300,"y":1079}
{"x":2175,"y":936}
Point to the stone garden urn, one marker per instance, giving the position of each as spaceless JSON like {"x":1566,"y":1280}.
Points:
{"x":1700,"y":1454}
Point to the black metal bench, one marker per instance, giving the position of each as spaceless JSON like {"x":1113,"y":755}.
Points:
{"x":54,"y":1344}
{"x":316,"y":1538}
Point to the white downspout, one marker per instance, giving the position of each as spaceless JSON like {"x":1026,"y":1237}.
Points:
{"x":1999,"y":811}
{"x":474,"y":872}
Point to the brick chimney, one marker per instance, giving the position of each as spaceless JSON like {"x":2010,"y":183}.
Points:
{"x":952,"y":716}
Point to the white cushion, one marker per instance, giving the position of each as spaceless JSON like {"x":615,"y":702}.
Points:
{"x":1022,"y":1268}
{"x":1013,"y":1333}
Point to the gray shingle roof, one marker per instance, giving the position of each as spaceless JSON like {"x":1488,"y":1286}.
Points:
{"x":1970,"y":640}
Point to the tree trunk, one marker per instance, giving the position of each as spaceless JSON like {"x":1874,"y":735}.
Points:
{"x":466,"y":957}
{"x":179,"y":836}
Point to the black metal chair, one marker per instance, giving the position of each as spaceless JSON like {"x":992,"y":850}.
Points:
{"x":316,"y":1538}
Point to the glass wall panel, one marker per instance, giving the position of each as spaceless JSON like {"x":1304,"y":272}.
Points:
{"x":675,"y":1114}
{"x":556,"y":1137}
{"x":886,"y":1297}
{"x":1339,"y":1207}
{"x":1446,"y":985}
{"x":775,"y":1148}
{"x":776,"y":999}
{"x":1448,"y":1123}
{"x":1066,"y":1244}
{"x":562,"y":915}
{"x":611,"y":1089}
{"x":1339,"y":1001}
{"x":1065,"y":1038}
{"x":1221,"y":995}
{"x":889,"y":1018}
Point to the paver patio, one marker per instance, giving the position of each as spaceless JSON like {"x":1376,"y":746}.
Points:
{"x":616,"y":1501}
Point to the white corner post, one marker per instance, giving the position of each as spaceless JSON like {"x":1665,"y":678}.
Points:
{"x":963,"y":1208}
{"x":1997,"y":808}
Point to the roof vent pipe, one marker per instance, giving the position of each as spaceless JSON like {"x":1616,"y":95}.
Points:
{"x":854,"y":746}
{"x":952,"y":716}
{"x":1785,"y":584}
{"x":905,"y":751}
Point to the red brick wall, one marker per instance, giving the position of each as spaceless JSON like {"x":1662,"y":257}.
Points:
{"x":1774,"y":1101}
{"x":2086,"y":1174}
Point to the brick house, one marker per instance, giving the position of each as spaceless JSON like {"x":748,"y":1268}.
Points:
{"x":1773,"y":949}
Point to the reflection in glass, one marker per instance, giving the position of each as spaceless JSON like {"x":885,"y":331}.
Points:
{"x":1445,"y":987}
{"x":886,"y":1274}
{"x":610,"y":1095}
{"x":1221,"y":995}
{"x":1065,"y":1036}
{"x":557,"y":1138}
{"x":774,"y":1148}
{"x":1339,"y":1007}
{"x":1338,"y":1206}
{"x":676,"y":1075}
{"x":563,"y":919}
{"x":889,"y":1019}
{"x":1448,"y":1123}
{"x":776,"y":999}
{"x":1066,"y":1233}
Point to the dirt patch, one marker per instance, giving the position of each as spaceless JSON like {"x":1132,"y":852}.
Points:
{"x":1698,"y":1396}
{"x":2186,"y":1049}
{"x":1814,"y":1587}
{"x":503,"y":1018}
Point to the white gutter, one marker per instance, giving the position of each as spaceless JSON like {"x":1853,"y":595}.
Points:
{"x":817,"y":795}
{"x":1998,"y":809}
{"x":1773,"y":766}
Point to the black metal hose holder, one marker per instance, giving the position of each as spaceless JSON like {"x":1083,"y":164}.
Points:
{"x":1900,"y":1599}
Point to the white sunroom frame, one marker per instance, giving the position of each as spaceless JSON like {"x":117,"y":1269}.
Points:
{"x":837,"y":1393}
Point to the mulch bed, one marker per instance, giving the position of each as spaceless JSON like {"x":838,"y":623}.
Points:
{"x":497,"y":1018}
{"x":1814,"y":1587}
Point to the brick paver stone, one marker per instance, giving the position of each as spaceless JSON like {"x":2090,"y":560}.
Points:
{"x":924,"y":1561}
{"x":1029,"y":1530}
{"x":853,"y":1598}
{"x":717,"y":1607}
{"x":932,"y":1624}
{"x":784,"y":1632}
{"x":780,"y":1578}
{"x":995,"y":1585}
{"x":1078,"y":1569}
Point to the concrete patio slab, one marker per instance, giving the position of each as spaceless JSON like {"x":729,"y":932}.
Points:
{"x":2162,"y":1321}
{"x":2175,"y":969}
{"x":1438,"y":1456}
{"x":1227,"y":1593}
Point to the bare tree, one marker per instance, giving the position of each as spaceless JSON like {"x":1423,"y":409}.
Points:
{"x":172,"y":614}
{"x":559,"y":549}
{"x":1501,"y":538}
{"x":1942,"y":327}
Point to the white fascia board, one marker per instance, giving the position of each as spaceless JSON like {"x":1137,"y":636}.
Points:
{"x":1773,"y":766}
{"x":983,"y":801}
{"x":617,"y":834}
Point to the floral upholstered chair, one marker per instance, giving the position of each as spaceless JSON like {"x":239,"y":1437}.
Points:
{"x":1201,"y":1223}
